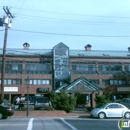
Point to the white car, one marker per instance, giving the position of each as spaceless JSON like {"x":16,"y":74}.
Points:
{"x":111,"y":110}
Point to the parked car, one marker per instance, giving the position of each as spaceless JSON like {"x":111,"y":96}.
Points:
{"x":41,"y":103}
{"x":126,"y":102}
{"x":5,"y":111}
{"x":8,"y":104}
{"x":111,"y":110}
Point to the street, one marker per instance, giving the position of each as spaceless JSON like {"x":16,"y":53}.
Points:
{"x":41,"y":123}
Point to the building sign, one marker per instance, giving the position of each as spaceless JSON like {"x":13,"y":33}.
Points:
{"x":43,"y":90}
{"x":123,"y":89}
{"x":10,"y":89}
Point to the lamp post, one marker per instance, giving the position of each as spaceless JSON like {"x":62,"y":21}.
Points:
{"x":27,"y":114}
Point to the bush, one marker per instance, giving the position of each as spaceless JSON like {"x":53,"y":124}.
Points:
{"x":49,"y":108}
{"x":63,"y":101}
{"x":100,"y":100}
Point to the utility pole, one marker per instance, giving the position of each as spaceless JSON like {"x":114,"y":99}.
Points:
{"x":27,"y":114}
{"x":6,"y":22}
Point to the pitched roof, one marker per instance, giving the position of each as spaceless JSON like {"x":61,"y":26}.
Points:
{"x":80,"y":85}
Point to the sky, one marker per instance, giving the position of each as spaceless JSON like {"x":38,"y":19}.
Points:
{"x":104,"y":24}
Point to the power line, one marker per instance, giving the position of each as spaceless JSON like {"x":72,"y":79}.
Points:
{"x":70,"y":20}
{"x":64,"y":34}
{"x":53,"y":12}
{"x":21,"y":6}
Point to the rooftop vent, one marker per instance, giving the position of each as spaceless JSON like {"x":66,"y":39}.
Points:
{"x":80,"y":54}
{"x":105,"y":55}
{"x":26,"y":45}
{"x":128,"y":48}
{"x":88,"y":47}
{"x":10,"y":53}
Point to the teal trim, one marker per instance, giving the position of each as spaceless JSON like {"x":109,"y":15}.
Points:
{"x":87,"y":86}
{"x":72,"y":53}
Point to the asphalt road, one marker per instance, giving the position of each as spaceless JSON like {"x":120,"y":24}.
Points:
{"x":26,"y":123}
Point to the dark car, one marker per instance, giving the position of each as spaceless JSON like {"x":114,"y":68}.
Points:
{"x":41,"y":103}
{"x":8,"y":104}
{"x":5,"y":111}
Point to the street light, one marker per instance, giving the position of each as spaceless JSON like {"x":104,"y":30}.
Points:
{"x":27,"y":96}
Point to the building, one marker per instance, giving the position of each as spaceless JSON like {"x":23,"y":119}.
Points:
{"x":87,"y":71}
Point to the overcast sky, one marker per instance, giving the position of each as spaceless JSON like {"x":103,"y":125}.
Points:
{"x":104,"y":24}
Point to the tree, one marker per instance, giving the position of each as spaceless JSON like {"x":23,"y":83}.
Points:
{"x":102,"y":99}
{"x":63,"y":101}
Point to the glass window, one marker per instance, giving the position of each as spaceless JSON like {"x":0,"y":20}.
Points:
{"x":9,"y":81}
{"x":47,"y":81}
{"x":120,"y":82}
{"x":5,"y":81}
{"x":14,"y":67}
{"x":30,"y":81}
{"x":43,"y":81}
{"x":105,"y":82}
{"x":111,"y":82}
{"x":39,"y":82}
{"x":110,"y":106}
{"x":34,"y":82}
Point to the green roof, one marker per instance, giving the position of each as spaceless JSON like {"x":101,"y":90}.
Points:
{"x":73,"y":53}
{"x":86,"y":84}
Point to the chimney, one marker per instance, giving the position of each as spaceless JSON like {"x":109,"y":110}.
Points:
{"x":88,"y":47}
{"x":128,"y":48}
{"x":26,"y":45}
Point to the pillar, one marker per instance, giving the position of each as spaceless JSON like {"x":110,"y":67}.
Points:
{"x":93,"y":100}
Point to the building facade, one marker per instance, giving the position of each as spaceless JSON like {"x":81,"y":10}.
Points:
{"x":87,"y":71}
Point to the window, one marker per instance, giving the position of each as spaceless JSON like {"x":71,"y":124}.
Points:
{"x":127,"y":67}
{"x":9,"y":81}
{"x":95,"y":81}
{"x":14,"y":66}
{"x":38,"y":81}
{"x":37,"y":68}
{"x":34,"y":82}
{"x":105,"y":82}
{"x":110,"y":68}
{"x":82,"y":67}
{"x":12,"y":81}
{"x":113,"y":82}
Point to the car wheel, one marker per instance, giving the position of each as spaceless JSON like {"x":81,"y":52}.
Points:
{"x":101,"y":115}
{"x":1,"y":116}
{"x":127,"y":115}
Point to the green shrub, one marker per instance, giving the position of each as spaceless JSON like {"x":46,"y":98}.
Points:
{"x":100,"y":100}
{"x":63,"y":101}
{"x":49,"y":108}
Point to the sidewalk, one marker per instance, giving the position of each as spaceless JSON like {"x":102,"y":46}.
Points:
{"x":78,"y":112}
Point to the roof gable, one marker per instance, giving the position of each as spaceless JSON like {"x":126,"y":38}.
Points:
{"x":80,"y":85}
